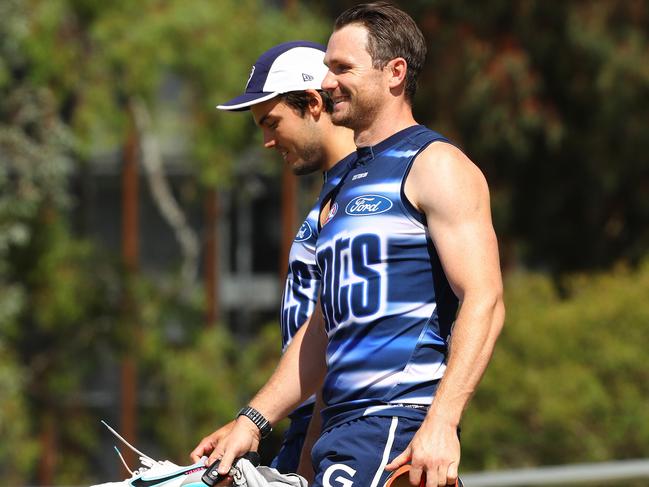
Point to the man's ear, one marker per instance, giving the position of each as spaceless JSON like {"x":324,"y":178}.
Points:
{"x":397,"y":69}
{"x":316,"y":103}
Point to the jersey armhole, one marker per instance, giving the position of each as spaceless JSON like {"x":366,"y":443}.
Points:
{"x":410,"y":208}
{"x":330,"y":198}
{"x":321,"y":208}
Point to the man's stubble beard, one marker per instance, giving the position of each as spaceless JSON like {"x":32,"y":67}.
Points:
{"x":359,"y":115}
{"x":311,"y":159}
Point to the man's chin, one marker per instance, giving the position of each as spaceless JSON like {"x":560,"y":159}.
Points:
{"x":341,"y":118}
{"x":305,"y":168}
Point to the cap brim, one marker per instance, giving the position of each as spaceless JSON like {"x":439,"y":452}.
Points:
{"x":245,"y":101}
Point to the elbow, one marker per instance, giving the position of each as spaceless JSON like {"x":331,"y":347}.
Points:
{"x":497,"y":313}
{"x":486,"y":308}
{"x":492,"y":311}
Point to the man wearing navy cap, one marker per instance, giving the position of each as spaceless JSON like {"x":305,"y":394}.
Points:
{"x":283,"y":93}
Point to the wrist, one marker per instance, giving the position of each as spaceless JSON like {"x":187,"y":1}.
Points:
{"x":446,"y":418}
{"x":244,"y":422}
{"x":258,"y":420}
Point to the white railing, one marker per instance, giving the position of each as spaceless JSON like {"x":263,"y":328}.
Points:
{"x":567,"y":475}
{"x":564,"y":475}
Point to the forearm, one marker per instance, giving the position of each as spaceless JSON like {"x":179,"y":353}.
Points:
{"x":435,"y":448}
{"x":298,"y":375}
{"x":475,"y":332}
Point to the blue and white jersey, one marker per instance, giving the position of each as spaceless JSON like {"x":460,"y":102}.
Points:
{"x":302,"y":286}
{"x":387,"y":303}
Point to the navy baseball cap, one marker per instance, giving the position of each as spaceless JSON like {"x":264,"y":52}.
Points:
{"x":291,"y":66}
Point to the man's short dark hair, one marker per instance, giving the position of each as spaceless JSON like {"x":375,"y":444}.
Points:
{"x":299,"y":100}
{"x":391,"y":33}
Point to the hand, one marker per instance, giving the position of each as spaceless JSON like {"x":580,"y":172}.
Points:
{"x":210,"y":442}
{"x":434,"y":452}
{"x":243,"y":438}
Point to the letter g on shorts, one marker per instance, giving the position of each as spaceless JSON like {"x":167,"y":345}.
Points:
{"x":339,"y":481}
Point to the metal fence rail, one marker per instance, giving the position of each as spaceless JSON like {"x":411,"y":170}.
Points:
{"x":564,"y":475}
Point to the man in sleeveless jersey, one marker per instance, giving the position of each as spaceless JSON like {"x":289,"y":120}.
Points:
{"x":284,"y":96}
{"x":411,"y":284}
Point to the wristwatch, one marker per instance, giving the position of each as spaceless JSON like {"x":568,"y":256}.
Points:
{"x":256,"y":417}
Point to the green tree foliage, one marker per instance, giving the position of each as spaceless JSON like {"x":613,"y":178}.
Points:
{"x":99,"y":55}
{"x":17,"y":450}
{"x":551,"y":100}
{"x":202,"y":382}
{"x":70,"y":71}
{"x":568,"y":382}
{"x":55,"y":291}
{"x":34,"y":164}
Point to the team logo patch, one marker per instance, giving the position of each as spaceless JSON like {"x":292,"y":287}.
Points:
{"x":304,"y":233}
{"x":332,"y":212}
{"x":368,"y":204}
{"x":252,"y":71}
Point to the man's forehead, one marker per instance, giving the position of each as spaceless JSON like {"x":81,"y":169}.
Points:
{"x":346,"y":42}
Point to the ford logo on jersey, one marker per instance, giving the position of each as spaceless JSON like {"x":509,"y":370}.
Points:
{"x":304,"y":233}
{"x":368,"y":204}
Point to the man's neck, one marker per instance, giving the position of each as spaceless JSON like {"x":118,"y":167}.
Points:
{"x":386,"y":123}
{"x":339,"y":144}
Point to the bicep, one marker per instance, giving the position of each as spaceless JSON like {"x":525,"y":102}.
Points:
{"x":453,"y":194}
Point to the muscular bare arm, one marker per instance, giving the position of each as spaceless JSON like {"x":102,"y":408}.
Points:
{"x":299,"y":374}
{"x":453,"y":194}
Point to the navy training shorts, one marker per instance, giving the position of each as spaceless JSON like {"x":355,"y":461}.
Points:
{"x":288,"y":457}
{"x":354,"y":454}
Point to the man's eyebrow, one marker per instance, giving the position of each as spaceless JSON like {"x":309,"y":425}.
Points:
{"x":262,"y":120}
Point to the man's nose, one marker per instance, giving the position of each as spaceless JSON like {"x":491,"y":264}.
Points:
{"x":269,"y":140}
{"x":329,"y":82}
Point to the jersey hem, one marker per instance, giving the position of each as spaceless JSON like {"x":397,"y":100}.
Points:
{"x":415,"y":412}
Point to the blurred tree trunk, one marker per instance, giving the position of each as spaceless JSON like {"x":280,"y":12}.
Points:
{"x":212,"y":269}
{"x":130,"y":256}
{"x":47,"y":465}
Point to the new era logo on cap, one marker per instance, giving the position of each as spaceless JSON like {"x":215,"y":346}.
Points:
{"x":291,"y":66}
{"x":252,"y":71}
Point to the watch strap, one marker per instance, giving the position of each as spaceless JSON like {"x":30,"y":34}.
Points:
{"x":258,"y":419}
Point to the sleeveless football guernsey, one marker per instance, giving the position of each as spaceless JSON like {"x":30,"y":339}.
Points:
{"x":387,"y":303}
